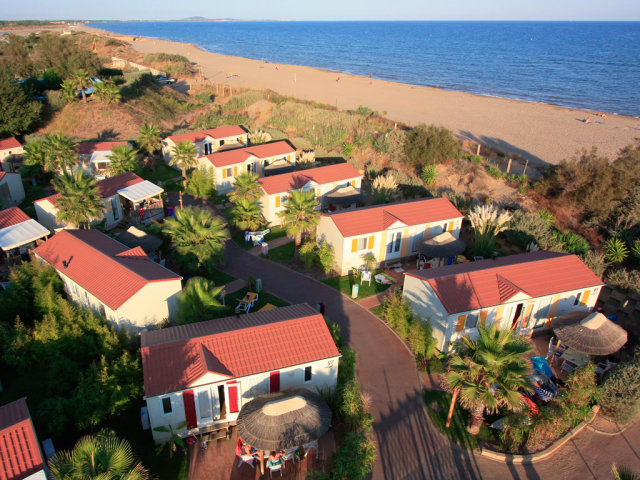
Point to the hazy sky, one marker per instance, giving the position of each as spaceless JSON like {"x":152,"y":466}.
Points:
{"x":324,"y":9}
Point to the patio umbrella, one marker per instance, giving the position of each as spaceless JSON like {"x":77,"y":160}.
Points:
{"x":343,"y":196}
{"x":283,"y":420}
{"x":441,"y":246}
{"x":590,"y":333}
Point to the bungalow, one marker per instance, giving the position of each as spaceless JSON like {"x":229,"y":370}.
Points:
{"x":11,"y":189}
{"x":322,"y":180}
{"x":11,"y":152}
{"x":20,"y":454}
{"x":203,"y":373}
{"x":390,"y":232}
{"x":521,"y":292}
{"x":19,"y":233}
{"x":125,"y":197}
{"x":94,"y":157}
{"x":123,"y":284}
{"x":207,"y":141}
{"x":229,"y":164}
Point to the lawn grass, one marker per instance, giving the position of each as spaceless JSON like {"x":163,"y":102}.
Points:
{"x":231,"y":301}
{"x":377,"y":310}
{"x":275,"y":232}
{"x":345,"y":282}
{"x":282,"y":253}
{"x":219,"y":278}
{"x":438,"y":403}
{"x":162,"y":173}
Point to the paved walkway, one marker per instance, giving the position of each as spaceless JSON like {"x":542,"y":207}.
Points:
{"x":375,"y":300}
{"x":278,"y":242}
{"x":409,"y":447}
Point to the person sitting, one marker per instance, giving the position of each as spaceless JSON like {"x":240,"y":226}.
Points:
{"x":249,"y":450}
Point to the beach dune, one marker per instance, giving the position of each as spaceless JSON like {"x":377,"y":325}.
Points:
{"x":543,"y":134}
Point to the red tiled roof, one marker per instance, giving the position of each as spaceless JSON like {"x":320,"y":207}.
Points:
{"x":487,"y":283}
{"x":295,"y":180}
{"x":107,"y":269}
{"x":239,"y":155}
{"x":217,"y":133}
{"x":12,"y":216}
{"x":86,"y":148}
{"x":379,"y":217}
{"x":106,"y":188}
{"x":20,"y":454}
{"x":7,"y":143}
{"x":174,"y":358}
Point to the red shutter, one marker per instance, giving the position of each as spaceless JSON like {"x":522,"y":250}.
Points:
{"x":233,"y":399}
{"x":190,"y":409}
{"x":274,"y":382}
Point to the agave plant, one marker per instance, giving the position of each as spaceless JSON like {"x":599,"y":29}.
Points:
{"x":616,"y":250}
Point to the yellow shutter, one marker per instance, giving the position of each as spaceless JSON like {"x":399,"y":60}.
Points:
{"x":527,"y":315}
{"x":483,"y":317}
{"x":585,"y":298}
{"x":317,"y":193}
{"x":450,"y":229}
{"x":498,"y":318}
{"x":353,"y":183}
{"x":383,"y":246}
{"x":334,"y":186}
{"x":405,"y":242}
{"x":354,"y":245}
{"x":289,"y":158}
{"x":552,"y":310}
{"x":371,"y":240}
{"x":460,"y":324}
{"x":235,"y":171}
{"x":224,"y":173}
{"x":278,"y":201}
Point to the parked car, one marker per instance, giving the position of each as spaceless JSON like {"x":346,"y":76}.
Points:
{"x":162,"y":80}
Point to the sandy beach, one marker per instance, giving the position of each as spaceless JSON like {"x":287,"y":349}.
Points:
{"x":544,"y":134}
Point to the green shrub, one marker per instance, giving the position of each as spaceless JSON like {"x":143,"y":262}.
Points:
{"x":55,"y":99}
{"x":429,"y":174}
{"x":307,"y":254}
{"x":429,"y":145}
{"x":348,"y":149}
{"x":620,"y":394}
{"x":205,"y":97}
{"x":421,"y":340}
{"x":495,"y":172}
{"x":547,"y":216}
{"x":595,"y":261}
{"x":112,"y":42}
{"x":573,"y":243}
{"x":616,"y":250}
{"x":624,"y":279}
{"x":364,"y":111}
{"x":525,"y":227}
{"x":476,"y":159}
{"x":396,"y":312}
{"x":326,"y":256}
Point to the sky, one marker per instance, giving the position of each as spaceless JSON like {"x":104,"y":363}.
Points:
{"x":323,"y":9}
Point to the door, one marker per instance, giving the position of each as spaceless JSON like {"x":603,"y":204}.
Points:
{"x":222,"y":402}
{"x":394,"y":244}
{"x":516,"y":316}
{"x":274,"y":382}
{"x":190,"y":409}
{"x":205,"y":410}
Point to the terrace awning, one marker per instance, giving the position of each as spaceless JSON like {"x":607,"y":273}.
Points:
{"x":278,"y":167}
{"x":343,"y":196}
{"x":443,"y":245}
{"x":21,"y":234}
{"x":140,"y":191}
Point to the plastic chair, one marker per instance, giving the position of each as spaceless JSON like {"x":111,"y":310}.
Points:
{"x":309,"y":446}
{"x":365,"y":277}
{"x":567,"y":367}
{"x":275,"y":466}
{"x":289,"y":455}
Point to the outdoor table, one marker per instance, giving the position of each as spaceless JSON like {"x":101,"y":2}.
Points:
{"x":573,"y":356}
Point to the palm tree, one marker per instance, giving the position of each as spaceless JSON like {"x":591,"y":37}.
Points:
{"x":60,"y":151}
{"x":103,"y":456}
{"x":35,"y":154}
{"x":149,"y":139}
{"x":488,"y":373}
{"x":202,"y":184}
{"x":69,"y":90}
{"x":80,"y":202}
{"x":106,"y":92}
{"x":80,"y":79}
{"x":198,"y":301}
{"x":245,"y":186}
{"x":300,"y":214}
{"x":184,"y":157}
{"x":196,"y":232}
{"x":123,"y":159}
{"x":246,"y":214}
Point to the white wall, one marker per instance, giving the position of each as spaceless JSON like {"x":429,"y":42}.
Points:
{"x":155,"y":302}
{"x":425,"y":304}
{"x":16,"y":189}
{"x":5,"y":153}
{"x":324,"y":374}
{"x":46,"y":214}
{"x":327,"y":231}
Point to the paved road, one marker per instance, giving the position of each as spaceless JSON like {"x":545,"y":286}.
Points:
{"x":409,"y":446}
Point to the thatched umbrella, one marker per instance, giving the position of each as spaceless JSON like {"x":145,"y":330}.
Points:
{"x":283,"y":420}
{"x":343,"y":196}
{"x":590,"y":333}
{"x":278,"y":167}
{"x":443,"y":245}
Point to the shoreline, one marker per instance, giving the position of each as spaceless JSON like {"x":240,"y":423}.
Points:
{"x":539,"y":132}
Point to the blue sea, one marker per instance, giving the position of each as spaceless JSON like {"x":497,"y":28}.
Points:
{"x":587,"y":65}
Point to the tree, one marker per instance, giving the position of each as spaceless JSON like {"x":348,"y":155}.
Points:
{"x":198,"y":301}
{"x":174,"y":440}
{"x":202,"y":184}
{"x":245,"y":186}
{"x":184,"y":157}
{"x":80,"y":79}
{"x":300,"y":214}
{"x":123,"y":159}
{"x":107,"y":92}
{"x":17,"y":114}
{"x":80,"y":202}
{"x":35,"y":154}
{"x":149,"y":139}
{"x":60,"y":151}
{"x":69,"y":90}
{"x":488,"y":373}
{"x":102,"y":456}
{"x":430,"y":145}
{"x":196,"y":233}
{"x":246,"y":214}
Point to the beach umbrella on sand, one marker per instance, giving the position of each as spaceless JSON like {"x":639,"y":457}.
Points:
{"x":283,"y":420}
{"x":590,"y":333}
{"x":441,"y":246}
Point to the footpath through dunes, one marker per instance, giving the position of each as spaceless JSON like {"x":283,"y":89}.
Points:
{"x":409,"y":445}
{"x":544,"y":134}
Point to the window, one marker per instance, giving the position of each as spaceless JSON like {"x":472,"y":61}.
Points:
{"x":166,"y":405}
{"x":577,"y":300}
{"x":208,"y":148}
{"x":307,"y":374}
{"x":221,"y":142}
{"x":102,"y":311}
{"x":229,"y":172}
{"x":204,"y":404}
{"x":472,"y":321}
{"x":395,"y":240}
{"x":364,"y":243}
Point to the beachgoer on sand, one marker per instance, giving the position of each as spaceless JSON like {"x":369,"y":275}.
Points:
{"x":587,"y":120}
{"x":337,"y":79}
